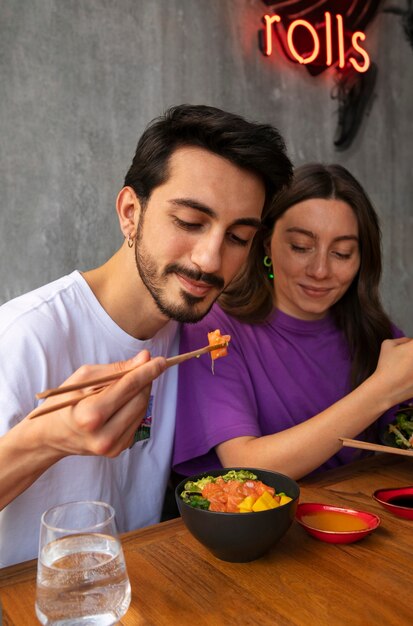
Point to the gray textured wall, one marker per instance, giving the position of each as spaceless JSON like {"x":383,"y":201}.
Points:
{"x":80,"y":79}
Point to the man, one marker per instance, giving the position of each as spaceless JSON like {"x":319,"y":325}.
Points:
{"x":199,"y":185}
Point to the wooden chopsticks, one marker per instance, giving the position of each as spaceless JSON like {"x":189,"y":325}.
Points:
{"x":366,"y":445}
{"x":98,"y":383}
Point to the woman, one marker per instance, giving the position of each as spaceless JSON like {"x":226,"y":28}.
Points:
{"x":307,"y":330}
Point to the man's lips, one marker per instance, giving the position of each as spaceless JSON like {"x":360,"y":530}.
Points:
{"x":195,"y":287}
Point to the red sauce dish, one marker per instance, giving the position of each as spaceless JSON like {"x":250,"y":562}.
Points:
{"x":397,"y":500}
{"x":335,"y":524}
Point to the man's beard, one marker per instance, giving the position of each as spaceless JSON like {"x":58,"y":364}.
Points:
{"x":187,"y":311}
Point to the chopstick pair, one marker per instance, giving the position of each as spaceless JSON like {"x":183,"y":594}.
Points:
{"x":98,"y":383}
{"x":365,"y":445}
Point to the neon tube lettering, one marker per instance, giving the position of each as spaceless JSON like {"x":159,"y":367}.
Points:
{"x":340,"y":32}
{"x":291,"y":46}
{"x":329,"y":39}
{"x":269,"y":21}
{"x":357,"y":36}
{"x":359,"y":68}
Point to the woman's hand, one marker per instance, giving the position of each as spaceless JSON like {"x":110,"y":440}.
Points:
{"x":395,"y":370}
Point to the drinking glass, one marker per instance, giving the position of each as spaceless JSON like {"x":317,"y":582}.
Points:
{"x":81,"y":573}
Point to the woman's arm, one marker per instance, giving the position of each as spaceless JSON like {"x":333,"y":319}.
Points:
{"x":100,"y":424}
{"x":304,"y":447}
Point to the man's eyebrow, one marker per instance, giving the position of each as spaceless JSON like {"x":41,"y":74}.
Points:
{"x":203,"y":208}
{"x":309,"y":233}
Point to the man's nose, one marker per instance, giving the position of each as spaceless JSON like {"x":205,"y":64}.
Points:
{"x":207,"y":254}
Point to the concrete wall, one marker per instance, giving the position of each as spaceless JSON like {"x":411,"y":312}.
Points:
{"x":80,"y":79}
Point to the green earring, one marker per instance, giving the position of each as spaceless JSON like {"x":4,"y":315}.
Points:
{"x":268,"y":265}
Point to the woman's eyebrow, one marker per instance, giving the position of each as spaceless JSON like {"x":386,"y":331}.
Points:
{"x":301,"y":231}
{"x":203,"y":208}
{"x":347,"y":238}
{"x":309,"y":233}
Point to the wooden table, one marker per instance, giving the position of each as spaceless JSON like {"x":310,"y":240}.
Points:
{"x":302,"y":581}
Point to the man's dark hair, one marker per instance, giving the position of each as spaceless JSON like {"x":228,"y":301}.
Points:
{"x":258,"y":148}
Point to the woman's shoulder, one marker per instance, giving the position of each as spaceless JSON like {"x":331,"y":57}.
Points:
{"x":216,"y":318}
{"x":245,"y":338}
{"x":396,"y":332}
{"x":195,"y":335}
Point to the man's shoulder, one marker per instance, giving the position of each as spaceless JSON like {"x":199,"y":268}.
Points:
{"x":38,"y":305}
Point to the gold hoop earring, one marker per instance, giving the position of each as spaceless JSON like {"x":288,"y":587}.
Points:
{"x":130,"y":241}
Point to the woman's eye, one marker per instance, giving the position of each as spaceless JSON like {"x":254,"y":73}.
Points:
{"x":342,"y":255}
{"x":296,"y":248}
{"x":239,"y":241}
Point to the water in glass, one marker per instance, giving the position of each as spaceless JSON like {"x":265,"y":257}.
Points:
{"x":82,"y":579}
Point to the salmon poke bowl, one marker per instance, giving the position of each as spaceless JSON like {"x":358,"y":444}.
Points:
{"x":239,"y":514}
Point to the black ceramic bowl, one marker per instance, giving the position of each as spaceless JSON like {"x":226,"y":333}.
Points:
{"x":240,"y":537}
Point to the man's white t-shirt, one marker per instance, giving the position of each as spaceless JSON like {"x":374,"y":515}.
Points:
{"x":45,"y":335}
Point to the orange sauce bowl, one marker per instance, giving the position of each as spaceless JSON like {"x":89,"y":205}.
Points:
{"x":335,"y":524}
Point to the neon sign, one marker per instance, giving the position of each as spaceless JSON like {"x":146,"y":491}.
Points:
{"x":305,"y":44}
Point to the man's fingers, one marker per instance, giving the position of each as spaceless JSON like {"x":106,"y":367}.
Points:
{"x":143,"y":375}
{"x":133,"y":383}
{"x":91,"y":372}
{"x":139,"y":359}
{"x":97,"y":410}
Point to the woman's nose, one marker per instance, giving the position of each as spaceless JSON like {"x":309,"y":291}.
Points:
{"x":319,"y":266}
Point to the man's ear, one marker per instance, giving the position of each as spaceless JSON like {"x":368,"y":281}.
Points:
{"x":128,"y":209}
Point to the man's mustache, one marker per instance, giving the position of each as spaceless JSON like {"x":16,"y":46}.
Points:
{"x":209,"y":279}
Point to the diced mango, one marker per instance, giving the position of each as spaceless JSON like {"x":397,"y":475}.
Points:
{"x":247,"y":503}
{"x":267,"y":497}
{"x":259,"y":505}
{"x":265,"y":502}
{"x":284,"y":499}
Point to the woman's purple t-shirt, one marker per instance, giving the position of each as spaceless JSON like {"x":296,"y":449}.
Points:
{"x":277,"y":374}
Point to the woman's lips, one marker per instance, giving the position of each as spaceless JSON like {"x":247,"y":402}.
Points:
{"x":315,"y":292}
{"x":194,"y":287}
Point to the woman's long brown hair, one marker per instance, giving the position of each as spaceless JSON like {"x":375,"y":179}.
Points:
{"x":359,"y":313}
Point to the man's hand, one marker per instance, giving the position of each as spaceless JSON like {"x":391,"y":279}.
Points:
{"x":104,"y":422}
